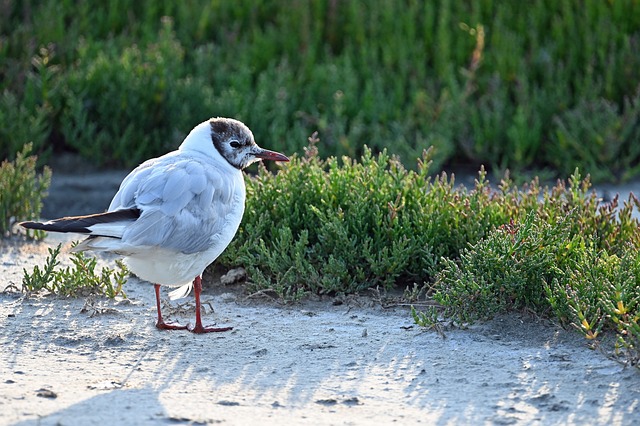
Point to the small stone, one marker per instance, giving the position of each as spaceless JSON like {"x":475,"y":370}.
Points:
{"x":351,"y":401}
{"x":261,"y":352}
{"x":46,"y":393}
{"x":233,"y":276}
{"x":327,"y":402}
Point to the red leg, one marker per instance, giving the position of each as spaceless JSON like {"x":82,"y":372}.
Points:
{"x":161,"y":324}
{"x":198,"y":328}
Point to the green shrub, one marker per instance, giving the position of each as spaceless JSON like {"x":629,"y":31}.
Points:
{"x":79,"y":280}
{"x":22,"y":191}
{"x":349,"y":225}
{"x":510,"y":85}
{"x":126,"y":106}
{"x":329,"y":226}
{"x":580,"y":267}
{"x":595,"y":133}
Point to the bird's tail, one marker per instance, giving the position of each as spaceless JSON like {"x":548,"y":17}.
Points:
{"x":109,"y":224}
{"x":181,"y":292}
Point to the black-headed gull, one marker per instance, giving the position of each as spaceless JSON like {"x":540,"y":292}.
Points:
{"x":174,"y":215}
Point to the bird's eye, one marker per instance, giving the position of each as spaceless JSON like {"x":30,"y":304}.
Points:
{"x":235,"y":144}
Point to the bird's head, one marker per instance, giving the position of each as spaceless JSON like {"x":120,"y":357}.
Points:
{"x":231,"y":140}
{"x":234,"y":141}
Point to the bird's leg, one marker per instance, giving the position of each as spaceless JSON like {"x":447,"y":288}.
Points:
{"x":161,"y":324}
{"x":198,"y":328}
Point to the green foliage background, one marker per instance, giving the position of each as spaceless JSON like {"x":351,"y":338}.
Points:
{"x":537,"y":84}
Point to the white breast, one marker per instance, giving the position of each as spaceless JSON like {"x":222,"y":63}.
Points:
{"x":169,"y":267}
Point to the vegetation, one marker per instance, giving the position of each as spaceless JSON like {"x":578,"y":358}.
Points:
{"x":543,"y":85}
{"x":21,"y":191}
{"x":549,"y":268}
{"x":79,"y":280}
{"x":351,"y":225}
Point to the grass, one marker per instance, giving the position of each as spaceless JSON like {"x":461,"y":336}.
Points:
{"x":79,"y":280}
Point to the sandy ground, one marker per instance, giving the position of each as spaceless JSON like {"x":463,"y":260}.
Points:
{"x":82,"y":362}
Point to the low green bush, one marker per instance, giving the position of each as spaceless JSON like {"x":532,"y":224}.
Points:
{"x":332,"y":227}
{"x":79,"y":280}
{"x":550,"y":269}
{"x":22,"y":190}
{"x":349,"y":225}
{"x":598,"y":132}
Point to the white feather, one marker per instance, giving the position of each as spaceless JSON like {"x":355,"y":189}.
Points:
{"x":181,"y":292}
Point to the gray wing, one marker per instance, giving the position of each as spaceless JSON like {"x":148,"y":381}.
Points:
{"x":183,"y":202}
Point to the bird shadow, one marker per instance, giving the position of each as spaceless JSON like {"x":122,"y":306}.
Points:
{"x":122,"y":406}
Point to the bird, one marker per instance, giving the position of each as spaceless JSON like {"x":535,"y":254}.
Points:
{"x":172,"y":216}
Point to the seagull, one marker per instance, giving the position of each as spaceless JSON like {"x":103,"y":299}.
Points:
{"x":174,"y":215}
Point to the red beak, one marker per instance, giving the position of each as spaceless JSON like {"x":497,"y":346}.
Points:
{"x":265,"y":154}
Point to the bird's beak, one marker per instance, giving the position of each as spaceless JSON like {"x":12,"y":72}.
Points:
{"x":265,"y":154}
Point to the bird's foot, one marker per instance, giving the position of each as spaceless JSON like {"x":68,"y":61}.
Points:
{"x":199,"y":329}
{"x":164,"y":326}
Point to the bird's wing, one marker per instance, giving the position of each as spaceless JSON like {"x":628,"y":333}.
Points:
{"x":183,"y":203}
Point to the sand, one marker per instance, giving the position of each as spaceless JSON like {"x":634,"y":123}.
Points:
{"x":78,"y":361}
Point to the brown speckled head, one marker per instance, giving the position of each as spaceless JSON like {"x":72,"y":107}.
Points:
{"x":234,"y":141}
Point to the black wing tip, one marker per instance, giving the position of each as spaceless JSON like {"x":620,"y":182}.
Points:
{"x":54,"y":226}
{"x":80,"y":224}
{"x":31,"y":225}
